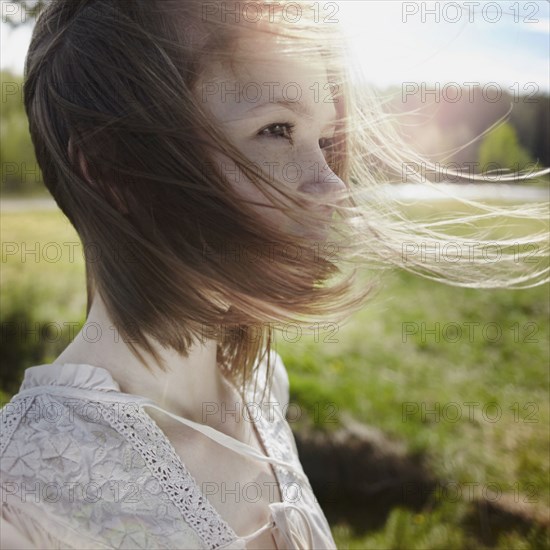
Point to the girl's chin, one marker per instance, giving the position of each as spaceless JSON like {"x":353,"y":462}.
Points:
{"x":318,"y":233}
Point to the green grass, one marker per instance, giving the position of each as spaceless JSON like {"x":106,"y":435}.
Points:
{"x":42,"y":264}
{"x":376,"y":372}
{"x":393,"y":381}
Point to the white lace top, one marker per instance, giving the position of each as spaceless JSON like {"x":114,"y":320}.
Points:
{"x":70,"y":431}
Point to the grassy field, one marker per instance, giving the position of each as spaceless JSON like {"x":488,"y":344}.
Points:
{"x":477,"y":406}
{"x":459,"y":375}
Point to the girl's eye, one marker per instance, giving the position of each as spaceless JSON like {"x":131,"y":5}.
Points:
{"x":278,"y":130}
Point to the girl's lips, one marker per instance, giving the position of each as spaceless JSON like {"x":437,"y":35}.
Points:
{"x":327,"y":210}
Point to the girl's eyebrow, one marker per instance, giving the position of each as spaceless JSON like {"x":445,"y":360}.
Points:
{"x":298,"y":107}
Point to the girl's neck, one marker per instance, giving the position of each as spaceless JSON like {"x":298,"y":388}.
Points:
{"x":193,"y":386}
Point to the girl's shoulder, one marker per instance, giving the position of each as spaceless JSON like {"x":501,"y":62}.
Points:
{"x":61,"y":413}
{"x":281,"y":388}
{"x":82,"y":462}
{"x":279,"y":380}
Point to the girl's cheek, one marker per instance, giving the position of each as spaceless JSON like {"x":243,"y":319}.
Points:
{"x":249,"y":192}
{"x":279,"y":173}
{"x":278,"y":161}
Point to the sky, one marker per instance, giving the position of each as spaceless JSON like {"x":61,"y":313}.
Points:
{"x":504,"y":43}
{"x":507,"y":43}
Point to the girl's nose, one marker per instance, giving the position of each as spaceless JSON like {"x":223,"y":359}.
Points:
{"x":321,"y":181}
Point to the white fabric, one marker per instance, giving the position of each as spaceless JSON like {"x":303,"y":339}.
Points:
{"x":83,"y":465}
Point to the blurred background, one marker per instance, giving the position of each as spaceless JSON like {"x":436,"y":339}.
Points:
{"x":423,"y":422}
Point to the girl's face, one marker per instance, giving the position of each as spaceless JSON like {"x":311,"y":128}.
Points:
{"x":280,"y":112}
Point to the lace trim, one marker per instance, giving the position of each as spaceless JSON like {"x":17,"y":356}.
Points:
{"x":161,"y":459}
{"x":10,"y":417}
{"x":274,"y":432}
{"x":277,"y":447}
{"x":163,"y":462}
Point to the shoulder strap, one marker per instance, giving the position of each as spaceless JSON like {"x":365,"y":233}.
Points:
{"x":228,"y":441}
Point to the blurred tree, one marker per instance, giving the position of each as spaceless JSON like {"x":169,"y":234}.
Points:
{"x":458,"y":123}
{"x":20,"y":172}
{"x":531,"y":119}
{"x":501,"y":149}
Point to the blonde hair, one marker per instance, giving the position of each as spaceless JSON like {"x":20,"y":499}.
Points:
{"x":117,"y":81}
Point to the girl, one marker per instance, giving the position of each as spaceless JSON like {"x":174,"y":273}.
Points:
{"x":215,"y":161}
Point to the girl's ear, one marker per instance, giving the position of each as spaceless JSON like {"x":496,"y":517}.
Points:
{"x":76,"y":156}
